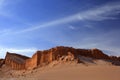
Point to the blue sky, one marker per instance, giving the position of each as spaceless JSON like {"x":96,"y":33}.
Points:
{"x":30,"y":25}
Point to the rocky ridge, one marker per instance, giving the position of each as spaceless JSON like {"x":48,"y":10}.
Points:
{"x":60,"y":53}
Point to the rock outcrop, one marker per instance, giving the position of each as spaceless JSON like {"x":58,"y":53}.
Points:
{"x":15,"y":61}
{"x":119,"y":58}
{"x":2,"y":61}
{"x":98,"y":54}
{"x":115,"y":58}
{"x":59,"y":53}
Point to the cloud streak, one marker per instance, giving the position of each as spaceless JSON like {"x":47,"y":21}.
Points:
{"x":100,"y":13}
{"x":27,"y":51}
{"x":104,"y":12}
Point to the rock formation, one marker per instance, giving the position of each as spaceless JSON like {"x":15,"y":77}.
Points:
{"x":98,"y":54}
{"x":115,"y":58}
{"x":15,"y":61}
{"x":60,"y":53}
{"x":2,"y":61}
{"x":119,"y":58}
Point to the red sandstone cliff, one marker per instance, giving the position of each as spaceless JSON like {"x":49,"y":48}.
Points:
{"x":61,"y":53}
{"x":2,"y":61}
{"x":15,"y":61}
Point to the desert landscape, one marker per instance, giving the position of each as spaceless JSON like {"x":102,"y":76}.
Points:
{"x":59,"y":39}
{"x":60,"y":63}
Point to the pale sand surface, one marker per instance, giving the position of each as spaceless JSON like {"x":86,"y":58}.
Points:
{"x":100,"y":71}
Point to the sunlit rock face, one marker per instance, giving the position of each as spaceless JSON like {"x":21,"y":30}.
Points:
{"x":15,"y":61}
{"x":60,"y":53}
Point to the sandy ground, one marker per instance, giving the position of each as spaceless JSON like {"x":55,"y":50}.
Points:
{"x":65,"y":71}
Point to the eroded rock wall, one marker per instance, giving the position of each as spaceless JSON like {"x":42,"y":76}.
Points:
{"x":15,"y":61}
{"x":2,"y":61}
{"x":41,"y":58}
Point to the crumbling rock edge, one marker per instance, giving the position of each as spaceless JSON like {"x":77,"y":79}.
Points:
{"x":59,"y":53}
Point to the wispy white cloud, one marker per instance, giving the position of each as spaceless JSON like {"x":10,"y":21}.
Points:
{"x":71,"y":27}
{"x":100,"y":13}
{"x":5,"y":31}
{"x":105,"y":12}
{"x":6,"y":11}
{"x":89,"y":26}
{"x":109,"y":42}
{"x":26,"y":51}
{"x":110,"y":50}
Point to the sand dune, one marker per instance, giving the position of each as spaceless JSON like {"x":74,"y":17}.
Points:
{"x":69,"y":71}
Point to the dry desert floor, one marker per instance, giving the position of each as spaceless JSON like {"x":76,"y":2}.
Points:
{"x":67,"y":71}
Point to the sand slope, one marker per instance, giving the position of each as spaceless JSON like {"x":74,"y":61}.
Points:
{"x":69,"y":71}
